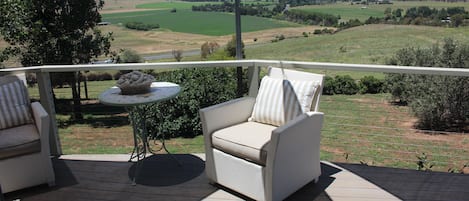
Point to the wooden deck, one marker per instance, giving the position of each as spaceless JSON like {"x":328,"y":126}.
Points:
{"x":107,"y":177}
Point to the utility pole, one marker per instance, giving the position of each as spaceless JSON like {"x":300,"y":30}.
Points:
{"x":239,"y":53}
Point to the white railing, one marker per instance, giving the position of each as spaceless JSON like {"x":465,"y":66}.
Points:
{"x":362,"y":143}
{"x":247,"y":63}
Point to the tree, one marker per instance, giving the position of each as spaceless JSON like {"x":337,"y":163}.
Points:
{"x":388,"y":13}
{"x":397,"y":12}
{"x":231,"y":48}
{"x":208,"y":48}
{"x":54,"y":32}
{"x":439,"y":102}
{"x":457,"y":19}
{"x":129,"y":56}
{"x":177,"y":54}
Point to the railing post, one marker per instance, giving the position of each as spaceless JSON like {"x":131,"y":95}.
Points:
{"x":47,"y":101}
{"x":253,"y":80}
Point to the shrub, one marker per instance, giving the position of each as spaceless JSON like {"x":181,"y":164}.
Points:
{"x":179,"y":117}
{"x":105,"y":76}
{"x":439,"y":102}
{"x":317,"y":31}
{"x":98,"y":76}
{"x":345,"y":85}
{"x":328,"y":88}
{"x":117,"y":75}
{"x":208,"y":48}
{"x":305,"y":34}
{"x":342,"y":49}
{"x":141,"y":26}
{"x":281,"y":37}
{"x":371,"y":85}
{"x":129,"y":56}
{"x":230,"y":47}
{"x":92,"y":77}
{"x":31,"y":79}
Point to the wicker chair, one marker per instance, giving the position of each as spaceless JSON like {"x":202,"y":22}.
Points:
{"x":258,"y":160}
{"x":24,"y":149}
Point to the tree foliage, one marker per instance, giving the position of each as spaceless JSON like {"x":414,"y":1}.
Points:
{"x":208,"y":48}
{"x":200,"y":87}
{"x":129,"y":56}
{"x":424,"y":15}
{"x":231,"y":48}
{"x":54,"y":32}
{"x":141,"y":26}
{"x":439,"y":102}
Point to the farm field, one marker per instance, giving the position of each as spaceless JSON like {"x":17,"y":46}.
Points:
{"x":363,"y":12}
{"x":205,"y":23}
{"x":175,"y":4}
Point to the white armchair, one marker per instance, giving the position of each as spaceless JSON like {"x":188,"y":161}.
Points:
{"x":263,"y":161}
{"x":24,"y":148}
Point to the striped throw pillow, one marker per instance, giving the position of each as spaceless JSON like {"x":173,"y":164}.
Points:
{"x":14,"y":105}
{"x":280,"y":101}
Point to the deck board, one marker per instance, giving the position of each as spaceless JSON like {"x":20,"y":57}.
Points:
{"x":161,"y":178}
{"x":107,"y":177}
{"x":415,"y":185}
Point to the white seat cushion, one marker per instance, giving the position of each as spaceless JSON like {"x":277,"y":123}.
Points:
{"x":249,"y":140}
{"x":19,"y":140}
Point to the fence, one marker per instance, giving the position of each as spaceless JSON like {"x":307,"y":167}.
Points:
{"x":361,"y":128}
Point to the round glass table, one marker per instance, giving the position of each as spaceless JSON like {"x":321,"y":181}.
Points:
{"x":159,"y":91}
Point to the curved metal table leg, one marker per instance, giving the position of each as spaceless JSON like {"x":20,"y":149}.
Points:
{"x":141,"y":138}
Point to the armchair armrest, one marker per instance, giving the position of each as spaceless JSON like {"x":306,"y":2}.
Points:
{"x":41,"y":120}
{"x":221,"y":116}
{"x":226,"y":114}
{"x":293,"y":156}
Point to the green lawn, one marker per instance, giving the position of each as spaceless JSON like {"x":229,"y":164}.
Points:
{"x":368,"y":129}
{"x":363,"y":12}
{"x":206,"y":23}
{"x":94,"y":89}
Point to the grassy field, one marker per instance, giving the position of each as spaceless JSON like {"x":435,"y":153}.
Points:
{"x":370,"y":44}
{"x":363,"y":12}
{"x":206,"y":23}
{"x":368,"y":129}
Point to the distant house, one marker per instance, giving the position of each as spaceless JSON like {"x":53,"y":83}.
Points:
{"x":104,"y":23}
{"x":384,"y":2}
{"x":446,"y":20}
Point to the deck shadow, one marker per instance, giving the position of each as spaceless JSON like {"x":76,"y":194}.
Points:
{"x":63,"y":178}
{"x":109,"y":180}
{"x":168,"y":170}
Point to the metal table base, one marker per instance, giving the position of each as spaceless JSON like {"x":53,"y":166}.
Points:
{"x":141,"y":140}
